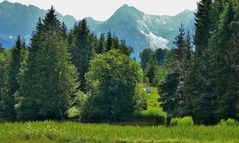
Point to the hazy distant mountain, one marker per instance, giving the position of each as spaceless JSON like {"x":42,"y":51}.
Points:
{"x":141,"y":30}
{"x":17,"y":19}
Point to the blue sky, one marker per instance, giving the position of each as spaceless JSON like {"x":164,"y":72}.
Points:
{"x":103,"y":9}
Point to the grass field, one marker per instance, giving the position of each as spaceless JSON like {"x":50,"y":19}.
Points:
{"x":71,"y":132}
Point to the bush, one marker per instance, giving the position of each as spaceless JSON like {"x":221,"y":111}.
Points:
{"x":73,"y":112}
{"x":140,"y":99}
{"x":185,"y":121}
{"x":228,"y":122}
{"x":151,"y":115}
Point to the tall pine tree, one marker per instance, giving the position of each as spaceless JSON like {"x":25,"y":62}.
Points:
{"x":17,"y":57}
{"x":49,"y":81}
{"x":81,"y":50}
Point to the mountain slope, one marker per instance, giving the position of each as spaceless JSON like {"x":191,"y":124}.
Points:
{"x":141,"y":30}
{"x":17,"y":19}
{"x":138,"y":29}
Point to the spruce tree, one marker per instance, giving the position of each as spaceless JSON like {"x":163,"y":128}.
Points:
{"x":226,"y":79}
{"x":101,"y":45}
{"x":115,"y":42}
{"x":81,"y":50}
{"x":202,"y":26}
{"x":64,"y":30}
{"x":1,"y":48}
{"x":197,"y":87}
{"x":188,"y":52}
{"x":146,"y":56}
{"x":109,"y":42}
{"x":49,"y":81}
{"x":124,"y":48}
{"x":181,"y":50}
{"x":3,"y":80}
{"x":17,"y":57}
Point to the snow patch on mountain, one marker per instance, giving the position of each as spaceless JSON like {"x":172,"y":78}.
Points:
{"x":10,"y":37}
{"x":155,"y":41}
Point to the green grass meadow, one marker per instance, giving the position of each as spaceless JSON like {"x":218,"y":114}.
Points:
{"x":72,"y":132}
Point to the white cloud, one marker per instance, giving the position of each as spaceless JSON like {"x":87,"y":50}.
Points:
{"x":103,"y":9}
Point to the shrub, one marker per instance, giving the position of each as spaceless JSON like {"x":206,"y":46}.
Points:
{"x":228,"y":122}
{"x":185,"y":121}
{"x":140,"y":99}
{"x":73,"y":112}
{"x":151,"y":115}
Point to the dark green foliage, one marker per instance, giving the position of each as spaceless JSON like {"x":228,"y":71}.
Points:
{"x":173,"y":98}
{"x":180,"y":43}
{"x":81,"y":50}
{"x":1,"y":48}
{"x":17,"y":57}
{"x":101,"y":45}
{"x":160,"y":56}
{"x":109,"y":41}
{"x":125,"y":49}
{"x":212,"y":82}
{"x":64,"y":30}
{"x":146,"y":56}
{"x":111,"y":80}
{"x":226,"y":84}
{"x":3,"y":79}
{"x":153,"y":65}
{"x":203,"y":22}
{"x":49,"y":80}
{"x":169,"y":95}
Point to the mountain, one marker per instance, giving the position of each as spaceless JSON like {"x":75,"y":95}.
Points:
{"x":138,"y":29}
{"x":141,"y":30}
{"x":17,"y":19}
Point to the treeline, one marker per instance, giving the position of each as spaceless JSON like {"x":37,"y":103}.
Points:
{"x":205,"y":83}
{"x":68,"y":74}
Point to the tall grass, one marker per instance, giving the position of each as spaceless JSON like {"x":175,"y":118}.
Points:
{"x":71,"y":132}
{"x":228,"y":122}
{"x":185,"y":121}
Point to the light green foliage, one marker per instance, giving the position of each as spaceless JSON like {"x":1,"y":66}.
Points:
{"x":185,"y":121}
{"x":112,"y":80}
{"x":140,"y":99}
{"x":75,"y":105}
{"x":228,"y":122}
{"x":73,"y":112}
{"x":71,"y":132}
{"x":153,"y":111}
